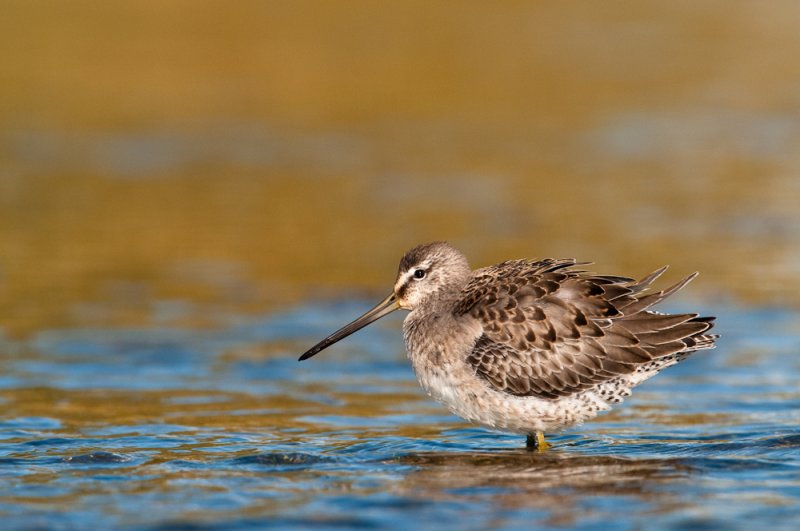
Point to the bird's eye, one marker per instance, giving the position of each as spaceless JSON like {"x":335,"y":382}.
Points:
{"x":419,"y":273}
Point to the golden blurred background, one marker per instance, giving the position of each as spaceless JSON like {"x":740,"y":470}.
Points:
{"x":250,"y":155}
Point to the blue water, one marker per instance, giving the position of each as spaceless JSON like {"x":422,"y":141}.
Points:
{"x":223,"y":428}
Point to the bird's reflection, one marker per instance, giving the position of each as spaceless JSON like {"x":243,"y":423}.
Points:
{"x":556,"y":482}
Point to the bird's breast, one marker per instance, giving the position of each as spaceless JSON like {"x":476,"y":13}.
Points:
{"x":440,"y":339}
{"x":438,"y":346}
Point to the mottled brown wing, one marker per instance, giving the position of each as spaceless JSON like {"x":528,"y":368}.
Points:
{"x":551,"y":331}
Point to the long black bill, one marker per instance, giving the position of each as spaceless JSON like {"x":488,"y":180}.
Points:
{"x":385,"y":307}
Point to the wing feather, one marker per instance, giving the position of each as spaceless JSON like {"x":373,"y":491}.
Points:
{"x":551,"y":331}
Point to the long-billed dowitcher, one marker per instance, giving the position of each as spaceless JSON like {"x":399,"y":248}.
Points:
{"x":530,"y":346}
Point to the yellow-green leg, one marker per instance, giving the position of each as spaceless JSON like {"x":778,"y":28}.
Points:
{"x":537,"y":442}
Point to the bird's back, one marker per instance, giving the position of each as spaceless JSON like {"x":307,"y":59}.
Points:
{"x":551,"y":330}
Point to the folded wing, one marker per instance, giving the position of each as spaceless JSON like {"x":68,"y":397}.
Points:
{"x":551,"y":331}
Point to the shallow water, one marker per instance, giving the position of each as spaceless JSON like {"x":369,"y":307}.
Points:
{"x":192,"y":194}
{"x":146,"y":428}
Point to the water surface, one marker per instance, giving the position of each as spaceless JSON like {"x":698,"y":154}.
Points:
{"x":192,"y":194}
{"x":145,"y":428}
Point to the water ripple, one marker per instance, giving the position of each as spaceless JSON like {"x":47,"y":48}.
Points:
{"x":217,"y":437}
